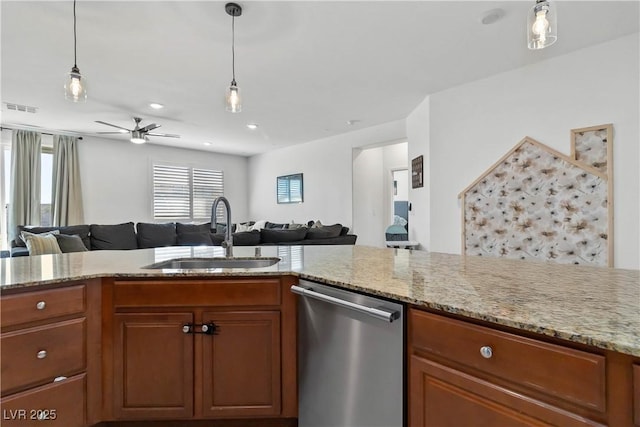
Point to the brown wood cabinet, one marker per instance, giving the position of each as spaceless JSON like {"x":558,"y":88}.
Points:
{"x":636,"y":394}
{"x":164,"y":365}
{"x":50,"y":356}
{"x":464,"y":373}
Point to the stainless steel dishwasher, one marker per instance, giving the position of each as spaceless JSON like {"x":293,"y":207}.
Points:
{"x":350,"y":358}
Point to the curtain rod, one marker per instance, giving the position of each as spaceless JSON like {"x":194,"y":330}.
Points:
{"x":33,"y":130}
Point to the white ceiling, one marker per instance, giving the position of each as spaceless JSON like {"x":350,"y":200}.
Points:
{"x":305,"y":68}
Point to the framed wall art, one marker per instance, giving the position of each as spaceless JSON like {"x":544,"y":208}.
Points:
{"x":417,"y":177}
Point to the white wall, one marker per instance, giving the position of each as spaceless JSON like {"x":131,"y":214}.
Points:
{"x":464,"y":130}
{"x":117,"y":178}
{"x":327,"y":168}
{"x":418,"y":134}
{"x":368,"y":196}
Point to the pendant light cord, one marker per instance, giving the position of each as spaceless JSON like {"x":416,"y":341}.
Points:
{"x":233,"y":48}
{"x":75,"y":59}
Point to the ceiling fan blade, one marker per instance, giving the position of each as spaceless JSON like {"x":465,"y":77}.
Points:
{"x":115,"y":126}
{"x":110,"y":133}
{"x":147,"y":128}
{"x":167,"y":135}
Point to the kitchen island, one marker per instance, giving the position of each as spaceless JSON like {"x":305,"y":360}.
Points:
{"x":594,"y":311}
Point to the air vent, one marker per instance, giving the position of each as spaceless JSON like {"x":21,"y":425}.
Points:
{"x":23,"y":108}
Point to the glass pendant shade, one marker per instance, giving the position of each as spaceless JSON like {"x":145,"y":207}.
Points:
{"x":234,"y":102}
{"x":542,"y":25}
{"x":75,"y":86}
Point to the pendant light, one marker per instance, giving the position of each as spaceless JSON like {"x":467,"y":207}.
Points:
{"x":542,"y":26}
{"x":234,"y":102}
{"x":75,"y":86}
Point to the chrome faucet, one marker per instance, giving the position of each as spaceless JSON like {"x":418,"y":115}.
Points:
{"x":228,"y":238}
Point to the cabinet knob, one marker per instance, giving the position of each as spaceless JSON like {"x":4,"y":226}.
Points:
{"x":186,"y":329}
{"x":486,"y":352}
{"x":58,"y":379}
{"x":40,"y":305}
{"x":205,"y":328}
{"x":41,"y":354}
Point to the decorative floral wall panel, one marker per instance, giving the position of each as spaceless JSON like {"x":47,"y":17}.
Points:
{"x":591,"y":146}
{"x":536,"y":203}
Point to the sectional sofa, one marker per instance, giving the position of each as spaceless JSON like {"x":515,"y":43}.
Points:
{"x":152,"y":235}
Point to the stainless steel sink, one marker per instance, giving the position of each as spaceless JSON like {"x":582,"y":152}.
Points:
{"x":209,"y":263}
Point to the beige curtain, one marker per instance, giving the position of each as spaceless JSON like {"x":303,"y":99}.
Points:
{"x":66,"y":198}
{"x":24,"y":193}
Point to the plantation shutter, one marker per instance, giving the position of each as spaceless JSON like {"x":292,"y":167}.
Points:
{"x":182,"y":192}
{"x":171,"y":192}
{"x":207,"y":185}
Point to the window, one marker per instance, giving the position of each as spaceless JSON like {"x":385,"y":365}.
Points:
{"x":289,"y":188}
{"x":46,"y":185}
{"x":46,"y":182}
{"x":184,"y":192}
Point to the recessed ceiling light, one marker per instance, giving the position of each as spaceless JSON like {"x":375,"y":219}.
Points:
{"x":156,"y":106}
{"x":207,"y":143}
{"x":123,"y":131}
{"x":353,"y":122}
{"x":491,"y":16}
{"x":252,"y":126}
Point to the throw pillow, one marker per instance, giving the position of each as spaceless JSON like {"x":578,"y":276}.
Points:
{"x":41,"y":244}
{"x":152,"y":235}
{"x":282,"y":236}
{"x":273,"y":225}
{"x":192,"y":228}
{"x":71,"y":243}
{"x":316,"y":224}
{"x":80,"y":230}
{"x":243,"y":227}
{"x":293,"y":226}
{"x":259,"y":225}
{"x":113,"y":237}
{"x":25,"y":234}
{"x":324,"y":232}
{"x":222,"y":228}
{"x":246,"y":238}
{"x":194,"y":239}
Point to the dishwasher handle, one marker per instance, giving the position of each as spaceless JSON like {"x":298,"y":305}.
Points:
{"x":378,"y":313}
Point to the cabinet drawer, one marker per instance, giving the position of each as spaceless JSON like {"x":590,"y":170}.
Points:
{"x":237,"y":292}
{"x":40,"y":354}
{"x":443,"y":396}
{"x":572,"y":375}
{"x":39,"y":305}
{"x":59,"y":404}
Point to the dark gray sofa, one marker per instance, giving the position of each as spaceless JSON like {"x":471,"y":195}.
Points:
{"x":152,"y":235}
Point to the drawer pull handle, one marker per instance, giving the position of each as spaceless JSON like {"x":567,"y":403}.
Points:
{"x":58,"y":379}
{"x":41,"y":305}
{"x":486,"y":352}
{"x":41,"y":354}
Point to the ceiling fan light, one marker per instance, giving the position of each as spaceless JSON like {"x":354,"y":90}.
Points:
{"x":542,"y":25}
{"x":137,"y":137}
{"x":234,"y":101}
{"x":75,"y":86}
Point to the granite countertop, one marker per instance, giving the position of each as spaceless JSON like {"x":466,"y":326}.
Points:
{"x":590,"y":305}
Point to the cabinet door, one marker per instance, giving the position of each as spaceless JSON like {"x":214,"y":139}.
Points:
{"x":241,"y":364}
{"x":442,"y":396}
{"x":153,"y":366}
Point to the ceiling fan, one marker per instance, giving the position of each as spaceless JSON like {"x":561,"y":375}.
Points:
{"x":138,"y":134}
